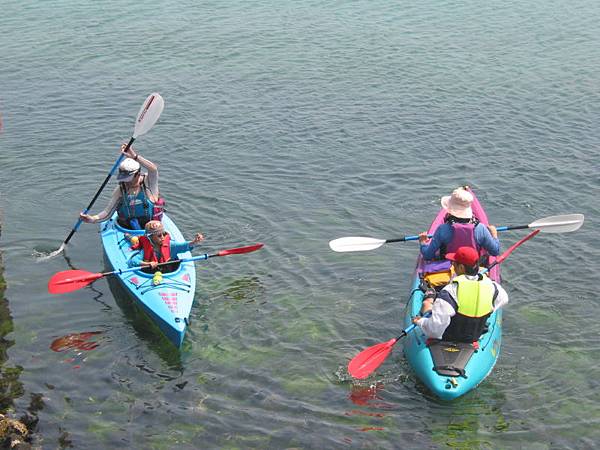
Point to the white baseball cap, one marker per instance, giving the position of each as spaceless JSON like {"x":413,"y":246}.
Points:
{"x":127,"y":170}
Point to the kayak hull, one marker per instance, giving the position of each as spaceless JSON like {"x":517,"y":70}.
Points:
{"x":419,"y":354}
{"x":168,"y":303}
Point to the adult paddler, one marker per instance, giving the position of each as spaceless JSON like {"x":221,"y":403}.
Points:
{"x":460,"y":310}
{"x":137,"y":198}
{"x":460,"y":228}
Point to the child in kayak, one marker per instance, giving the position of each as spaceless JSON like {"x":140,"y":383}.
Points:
{"x":460,"y":310}
{"x":136,"y":199}
{"x":157,"y":247}
{"x":460,"y":228}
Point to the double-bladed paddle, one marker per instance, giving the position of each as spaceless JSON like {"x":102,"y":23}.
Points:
{"x":552,"y":224}
{"x":147,"y":116}
{"x":72,"y":280}
{"x":363,"y":364}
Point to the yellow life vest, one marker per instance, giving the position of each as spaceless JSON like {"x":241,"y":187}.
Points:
{"x":475,"y":298}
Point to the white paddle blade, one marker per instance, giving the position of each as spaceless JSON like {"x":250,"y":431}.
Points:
{"x":355,"y":244}
{"x":559,"y":224}
{"x":149,"y":114}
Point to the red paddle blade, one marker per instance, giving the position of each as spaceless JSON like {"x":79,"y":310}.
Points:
{"x":71,"y":280}
{"x":507,"y":253}
{"x":235,"y":251}
{"x":363,"y":364}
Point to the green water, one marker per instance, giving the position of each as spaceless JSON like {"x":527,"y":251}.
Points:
{"x":294,"y":123}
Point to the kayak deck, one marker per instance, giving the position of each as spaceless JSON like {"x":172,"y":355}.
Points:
{"x":168,"y":303}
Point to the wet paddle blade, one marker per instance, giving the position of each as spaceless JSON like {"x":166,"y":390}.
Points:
{"x":236,"y":251}
{"x":355,"y":244}
{"x":559,"y":224}
{"x":71,"y":280}
{"x":365,"y":363}
{"x":148,"y":114}
{"x":44,"y":257}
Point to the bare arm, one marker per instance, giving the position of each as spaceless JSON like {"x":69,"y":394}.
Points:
{"x":152,"y":177}
{"x":107,"y":212}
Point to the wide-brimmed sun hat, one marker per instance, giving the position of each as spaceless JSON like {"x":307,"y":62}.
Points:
{"x":459,"y":203}
{"x":127,"y":170}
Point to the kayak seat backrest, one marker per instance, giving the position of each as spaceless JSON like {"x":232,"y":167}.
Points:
{"x":437,"y":273}
{"x":436,"y":266}
{"x":451,"y":358}
{"x":438,"y":279}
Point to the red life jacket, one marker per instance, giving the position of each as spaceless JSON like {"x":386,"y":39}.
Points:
{"x":148,"y":248}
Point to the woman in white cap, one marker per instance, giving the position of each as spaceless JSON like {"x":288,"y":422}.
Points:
{"x":136,"y":199}
{"x":459,"y":229}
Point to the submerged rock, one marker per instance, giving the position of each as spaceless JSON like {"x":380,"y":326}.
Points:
{"x":13,"y":434}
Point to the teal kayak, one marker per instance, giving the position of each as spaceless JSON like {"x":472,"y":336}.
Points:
{"x":450,"y":369}
{"x":168,"y":302}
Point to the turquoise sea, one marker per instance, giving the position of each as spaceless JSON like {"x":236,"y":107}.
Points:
{"x":293,"y":123}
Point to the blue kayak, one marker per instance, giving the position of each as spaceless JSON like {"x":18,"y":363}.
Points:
{"x":450,"y":369}
{"x":168,"y":302}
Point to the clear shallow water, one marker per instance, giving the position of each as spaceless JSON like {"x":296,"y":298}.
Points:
{"x":293,"y":124}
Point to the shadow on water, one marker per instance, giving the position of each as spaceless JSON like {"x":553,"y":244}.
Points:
{"x":144,"y":327}
{"x":474,"y":421}
{"x":244,"y":289}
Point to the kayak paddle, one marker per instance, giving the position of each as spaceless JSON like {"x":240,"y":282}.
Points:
{"x":552,"y":224}
{"x":363,"y":364}
{"x":147,"y":116}
{"x":72,"y":280}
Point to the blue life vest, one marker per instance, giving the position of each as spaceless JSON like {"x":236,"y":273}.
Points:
{"x":135,"y":207}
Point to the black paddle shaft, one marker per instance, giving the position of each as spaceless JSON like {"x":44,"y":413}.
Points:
{"x":517,"y":227}
{"x":396,"y":240}
{"x":104,"y":183}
